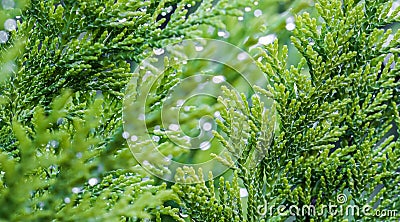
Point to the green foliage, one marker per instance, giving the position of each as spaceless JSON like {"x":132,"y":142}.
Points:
{"x":54,"y":165}
{"x":202,"y":202}
{"x":67,"y":160}
{"x":332,"y":128}
{"x":90,"y":46}
{"x":336,"y":121}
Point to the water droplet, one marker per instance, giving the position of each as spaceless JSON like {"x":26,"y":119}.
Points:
{"x":257,"y":13}
{"x":268,"y":39}
{"x":67,"y":200}
{"x":218,"y":79}
{"x":243,"y":192}
{"x":168,"y":158}
{"x":169,"y":9}
{"x":125,"y":135}
{"x":158,"y":51}
{"x":205,"y":145}
{"x":290,"y":26}
{"x":122,"y":20}
{"x":156,"y":138}
{"x":79,"y":155}
{"x":223,"y":34}
{"x":199,"y":48}
{"x":10,"y":24}
{"x":8,"y":4}
{"x":183,"y":215}
{"x":290,"y":19}
{"x":207,"y":126}
{"x":311,"y":41}
{"x":3,"y":37}
{"x":242,"y":56}
{"x":93,"y":181}
{"x":76,"y":190}
{"x":60,"y":121}
{"x":173,"y":127}
{"x":134,"y":138}
{"x":54,"y":143}
{"x":143,"y":9}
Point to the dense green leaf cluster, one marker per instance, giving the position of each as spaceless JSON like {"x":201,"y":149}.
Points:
{"x":65,"y":158}
{"x":91,"y":47}
{"x":64,"y":177}
{"x":336,"y":128}
{"x":332,"y":129}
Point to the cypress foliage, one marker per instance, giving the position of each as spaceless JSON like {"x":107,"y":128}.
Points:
{"x":329,"y":138}
{"x":63,"y":156}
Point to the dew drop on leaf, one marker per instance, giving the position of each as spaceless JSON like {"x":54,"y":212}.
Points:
{"x":158,"y":51}
{"x":207,"y":126}
{"x":257,"y":13}
{"x":93,"y":181}
{"x":134,"y":138}
{"x":199,"y":48}
{"x":3,"y":37}
{"x":268,"y":39}
{"x":205,"y":145}
{"x":125,"y":135}
{"x":10,"y":24}
{"x":76,"y":190}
